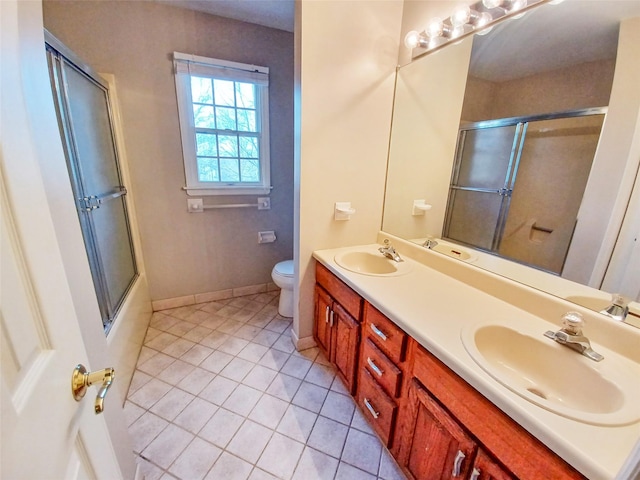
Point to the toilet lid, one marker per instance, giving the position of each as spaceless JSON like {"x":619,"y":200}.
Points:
{"x":284,"y":268}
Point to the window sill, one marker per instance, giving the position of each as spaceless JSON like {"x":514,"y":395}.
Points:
{"x":203,"y":191}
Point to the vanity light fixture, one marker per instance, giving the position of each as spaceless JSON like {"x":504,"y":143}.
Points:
{"x":477,"y":18}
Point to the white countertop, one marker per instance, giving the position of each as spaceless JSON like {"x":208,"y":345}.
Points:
{"x":434,"y":307}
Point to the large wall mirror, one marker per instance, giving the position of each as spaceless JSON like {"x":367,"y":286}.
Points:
{"x":524,"y":146}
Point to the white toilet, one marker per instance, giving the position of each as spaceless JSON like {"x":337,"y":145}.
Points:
{"x":282,"y":275}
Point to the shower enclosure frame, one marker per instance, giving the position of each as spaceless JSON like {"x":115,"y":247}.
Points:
{"x":521,"y":124}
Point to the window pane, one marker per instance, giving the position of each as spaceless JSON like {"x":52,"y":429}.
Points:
{"x":250,"y":170}
{"x":201,"y":90}
{"x":229,"y":170}
{"x":245,"y":95}
{"x":203,"y":116}
{"x":247,"y":121}
{"x":248,"y":147}
{"x":206,"y":144}
{"x":208,"y":170}
{"x":228,"y":145}
{"x":226,"y":118}
{"x":224,"y":92}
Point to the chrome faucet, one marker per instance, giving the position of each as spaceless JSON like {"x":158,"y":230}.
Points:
{"x":619,"y":308}
{"x":429,"y":243}
{"x":390,"y":252}
{"x":570,"y":335}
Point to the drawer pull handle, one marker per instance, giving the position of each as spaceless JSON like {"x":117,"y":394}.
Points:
{"x":378,"y":332}
{"x":331,"y":318}
{"x":457,"y":464}
{"x":372,"y":410}
{"x":374,"y":367}
{"x":475,"y":475}
{"x":326,"y":314}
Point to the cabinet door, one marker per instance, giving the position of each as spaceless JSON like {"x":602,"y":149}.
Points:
{"x":485,"y":468}
{"x":345,"y":344}
{"x":322,"y":327}
{"x":440,"y":449}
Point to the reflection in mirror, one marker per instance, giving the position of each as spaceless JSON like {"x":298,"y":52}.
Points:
{"x":561,"y":189}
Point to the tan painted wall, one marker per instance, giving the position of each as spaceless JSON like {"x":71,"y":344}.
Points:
{"x":346,"y":59}
{"x":185,"y":253}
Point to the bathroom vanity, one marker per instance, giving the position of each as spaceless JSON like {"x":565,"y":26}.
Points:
{"x":397,"y":338}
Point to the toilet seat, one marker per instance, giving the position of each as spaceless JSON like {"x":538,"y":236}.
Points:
{"x":284,"y":268}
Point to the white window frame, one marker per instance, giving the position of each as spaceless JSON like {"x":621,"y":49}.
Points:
{"x":184,"y":66}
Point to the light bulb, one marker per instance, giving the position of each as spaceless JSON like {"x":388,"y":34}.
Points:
{"x":412,"y":40}
{"x":461,"y":16}
{"x":482,"y":20}
{"x":434,"y":29}
{"x":489,"y":4}
{"x":516,"y":5}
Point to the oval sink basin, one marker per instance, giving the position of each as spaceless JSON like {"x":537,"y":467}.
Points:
{"x":555,"y":377}
{"x":368,"y":263}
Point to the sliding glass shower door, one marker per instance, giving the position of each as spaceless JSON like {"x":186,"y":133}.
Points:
{"x":518,"y":184}
{"x":84,"y":117}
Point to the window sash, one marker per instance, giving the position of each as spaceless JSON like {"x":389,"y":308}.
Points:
{"x":187,"y":65}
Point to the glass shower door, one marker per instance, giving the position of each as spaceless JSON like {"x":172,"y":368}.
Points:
{"x":481,"y":185}
{"x":84,"y":116}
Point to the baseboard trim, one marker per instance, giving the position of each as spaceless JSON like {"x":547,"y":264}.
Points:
{"x":302,"y":343}
{"x":206,"y":297}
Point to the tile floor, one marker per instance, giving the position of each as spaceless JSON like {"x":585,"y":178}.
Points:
{"x":220,"y":393}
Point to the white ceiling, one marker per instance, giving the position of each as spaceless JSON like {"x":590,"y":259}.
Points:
{"x":269,"y":13}
{"x":550,"y":37}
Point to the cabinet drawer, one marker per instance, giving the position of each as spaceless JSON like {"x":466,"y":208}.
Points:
{"x":387,"y":336}
{"x":378,"y":408}
{"x":343,"y":294}
{"x":383,"y":370}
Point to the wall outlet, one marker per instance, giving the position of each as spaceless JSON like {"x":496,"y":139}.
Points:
{"x":195,"y":205}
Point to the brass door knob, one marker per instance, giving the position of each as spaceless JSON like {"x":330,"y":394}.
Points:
{"x":81,"y":379}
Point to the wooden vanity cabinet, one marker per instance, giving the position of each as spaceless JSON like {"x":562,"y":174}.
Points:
{"x":337,"y":323}
{"x":444,"y":414}
{"x":434,"y":423}
{"x":381,"y":371}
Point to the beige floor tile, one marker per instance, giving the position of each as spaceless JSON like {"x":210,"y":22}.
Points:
{"x":178,"y":348}
{"x":347,"y":472}
{"x":175,"y":372}
{"x":328,"y":436}
{"x":297,"y":367}
{"x":229,"y":467}
{"x":253,"y":352}
{"x":297,"y":423}
{"x":214,"y":339}
{"x":315,"y":465}
{"x":195,"y":461}
{"x":274,"y":359}
{"x":259,"y":378}
{"x":144,"y":430}
{"x":338,"y":407}
{"x":266,"y":338}
{"x":216,"y":361}
{"x":310,"y":396}
{"x":195,"y":415}
{"x":196,"y":355}
{"x":249,"y":441}
{"x":221,"y":428}
{"x":362,"y":451}
{"x":218,"y":390}
{"x":156,"y":364}
{"x":166,"y":447}
{"x":242,"y":400}
{"x":132,"y":412}
{"x":150,"y":393}
{"x":284,"y":387}
{"x":237,"y":369}
{"x":258,"y":474}
{"x":320,"y":375}
{"x":181,"y":328}
{"x":196,"y":381}
{"x":233,"y":345}
{"x":170,"y":406}
{"x":198,"y":333}
{"x":281,"y":456}
{"x":268,"y":411}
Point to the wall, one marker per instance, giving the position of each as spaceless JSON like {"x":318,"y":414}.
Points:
{"x":346,"y":56}
{"x":423,"y":144}
{"x":186,"y":254}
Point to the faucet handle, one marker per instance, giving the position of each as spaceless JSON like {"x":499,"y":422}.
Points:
{"x":572,"y":323}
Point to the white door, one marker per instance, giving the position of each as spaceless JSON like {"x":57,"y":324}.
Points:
{"x":46,"y":434}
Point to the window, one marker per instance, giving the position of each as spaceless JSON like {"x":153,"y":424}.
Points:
{"x":224,"y":123}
